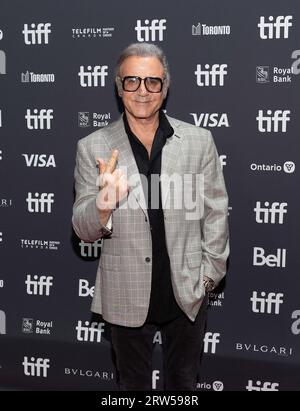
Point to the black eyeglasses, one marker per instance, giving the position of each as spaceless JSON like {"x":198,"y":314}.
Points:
{"x":152,"y":84}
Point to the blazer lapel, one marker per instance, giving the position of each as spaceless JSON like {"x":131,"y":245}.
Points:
{"x":170,"y":155}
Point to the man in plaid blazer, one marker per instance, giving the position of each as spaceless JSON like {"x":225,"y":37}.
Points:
{"x":165,"y":239}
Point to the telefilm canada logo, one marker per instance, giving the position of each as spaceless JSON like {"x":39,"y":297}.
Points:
{"x":40,"y":244}
{"x":92,"y":32}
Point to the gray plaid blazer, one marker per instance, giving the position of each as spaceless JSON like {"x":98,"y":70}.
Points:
{"x":197,"y":246}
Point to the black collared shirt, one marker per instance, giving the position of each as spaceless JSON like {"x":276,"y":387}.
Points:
{"x":163,"y":306}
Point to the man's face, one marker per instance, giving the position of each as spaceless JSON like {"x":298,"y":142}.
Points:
{"x":141,"y":104}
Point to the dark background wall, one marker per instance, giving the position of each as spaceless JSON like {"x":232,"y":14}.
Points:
{"x":48,"y":338}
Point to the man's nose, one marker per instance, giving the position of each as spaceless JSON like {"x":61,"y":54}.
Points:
{"x":142,"y":89}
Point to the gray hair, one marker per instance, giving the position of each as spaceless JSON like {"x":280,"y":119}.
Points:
{"x":143,"y":50}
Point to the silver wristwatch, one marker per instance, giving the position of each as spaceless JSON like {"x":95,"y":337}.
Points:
{"x":208,"y":284}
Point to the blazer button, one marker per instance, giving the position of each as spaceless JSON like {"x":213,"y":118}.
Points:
{"x":147,"y":259}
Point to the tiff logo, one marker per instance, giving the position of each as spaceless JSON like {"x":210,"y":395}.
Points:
{"x":210,"y":342}
{"x":90,"y":78}
{"x":90,"y":331}
{"x":90,"y":249}
{"x":270,"y":213}
{"x":37,"y":34}
{"x":41,"y":203}
{"x":271,"y":122}
{"x":150,"y":31}
{"x":266,"y":304}
{"x":2,"y":322}
{"x":39,"y":119}
{"x":36,"y":367}
{"x":155,"y":378}
{"x":211,"y":76}
{"x":39,"y":285}
{"x":259,"y":386}
{"x":282,"y":23}
{"x":272,"y":260}
{"x":2,"y":62}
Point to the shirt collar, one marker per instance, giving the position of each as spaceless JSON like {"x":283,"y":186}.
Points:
{"x":164,"y":125}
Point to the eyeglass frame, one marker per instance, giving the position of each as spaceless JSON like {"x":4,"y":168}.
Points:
{"x":140,"y":82}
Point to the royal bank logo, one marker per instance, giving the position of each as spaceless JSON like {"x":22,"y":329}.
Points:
{"x":36,"y":33}
{"x":262,"y":386}
{"x":36,"y":367}
{"x":2,"y":62}
{"x":98,"y":120}
{"x":211,"y":75}
{"x":90,"y":250}
{"x":216,"y":299}
{"x":262,"y":74}
{"x":40,"y":244}
{"x":27,"y":326}
{"x":275,"y":27}
{"x":92,"y":32}
{"x":207,"y":30}
{"x":30,"y":77}
{"x":2,"y":322}
{"x":273,"y":122}
{"x":31,"y":326}
{"x":150,"y":30}
{"x":279,"y":75}
{"x":93,"y":76}
{"x":210,"y":119}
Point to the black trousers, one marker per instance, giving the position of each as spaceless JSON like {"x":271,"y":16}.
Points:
{"x":182,"y":342}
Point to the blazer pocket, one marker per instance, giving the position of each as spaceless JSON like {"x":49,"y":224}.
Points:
{"x":110,"y":262}
{"x":194,"y":259}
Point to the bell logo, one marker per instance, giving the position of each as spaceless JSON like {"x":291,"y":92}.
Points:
{"x":278,"y":28}
{"x":210,"y":342}
{"x":272,"y":260}
{"x":37,"y":34}
{"x":2,"y":322}
{"x":266,"y":304}
{"x":85,"y":290}
{"x":155,"y":378}
{"x":36,"y":367}
{"x":150,"y":30}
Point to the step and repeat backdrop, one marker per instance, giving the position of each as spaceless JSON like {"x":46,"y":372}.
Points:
{"x":235,"y":70}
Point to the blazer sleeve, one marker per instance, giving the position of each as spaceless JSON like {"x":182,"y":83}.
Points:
{"x":85,"y":219}
{"x":214,"y":223}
